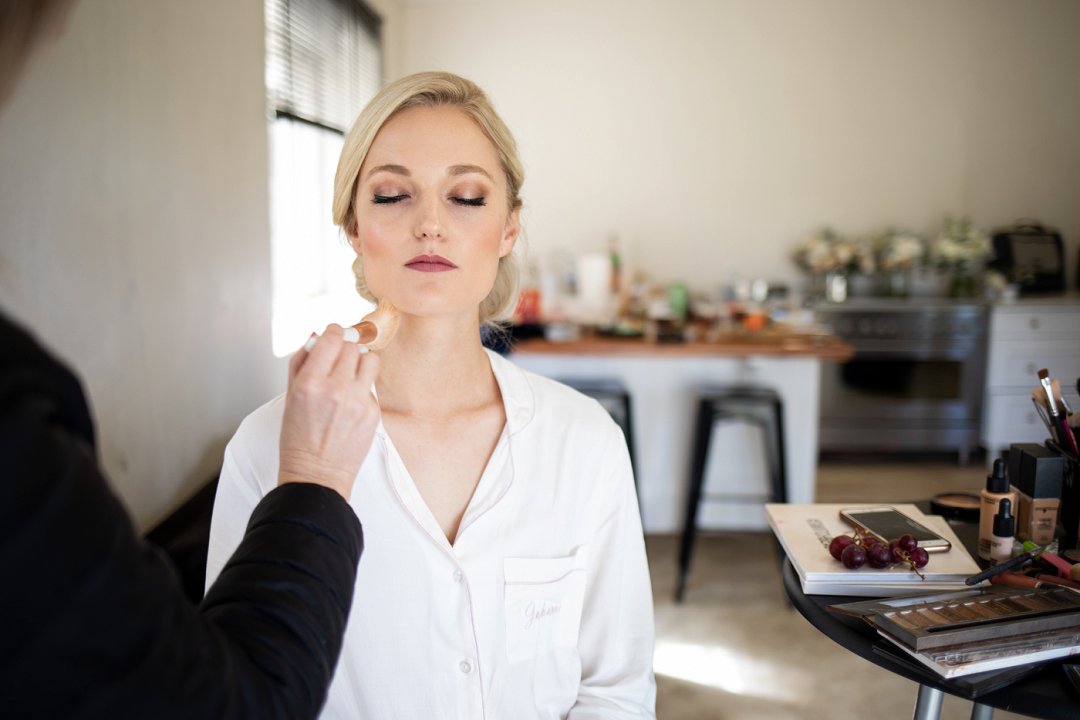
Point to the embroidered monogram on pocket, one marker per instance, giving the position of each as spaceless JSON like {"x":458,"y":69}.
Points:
{"x":543,"y":597}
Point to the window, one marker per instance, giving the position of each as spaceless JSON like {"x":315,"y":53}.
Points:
{"x":323,"y":63}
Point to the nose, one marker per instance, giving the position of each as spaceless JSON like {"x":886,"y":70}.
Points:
{"x":429,"y":223}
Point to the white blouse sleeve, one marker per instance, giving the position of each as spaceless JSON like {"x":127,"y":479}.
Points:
{"x":248,"y":472}
{"x":617,"y":631}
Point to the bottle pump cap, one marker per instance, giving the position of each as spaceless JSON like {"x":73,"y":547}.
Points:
{"x":996,"y":482}
{"x":1003,"y":521}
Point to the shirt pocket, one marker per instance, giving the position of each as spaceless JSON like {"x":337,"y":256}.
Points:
{"x":544,"y":598}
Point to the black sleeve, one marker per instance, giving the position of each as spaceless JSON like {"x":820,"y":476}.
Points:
{"x":94,"y":623}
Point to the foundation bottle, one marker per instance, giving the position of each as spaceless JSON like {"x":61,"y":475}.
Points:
{"x":1039,"y":482}
{"x":997,"y":489}
{"x":1001,"y":542}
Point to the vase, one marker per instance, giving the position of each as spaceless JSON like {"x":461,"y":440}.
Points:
{"x":860,"y":285}
{"x":926,"y":282}
{"x":963,"y":285}
{"x":891,"y":283}
{"x":836,"y":287}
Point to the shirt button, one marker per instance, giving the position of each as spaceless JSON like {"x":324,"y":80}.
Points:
{"x":465,"y":667}
{"x":458,"y":575}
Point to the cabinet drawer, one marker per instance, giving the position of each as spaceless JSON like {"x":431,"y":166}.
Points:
{"x":1035,"y":323}
{"x":1012,"y":419}
{"x":1017,"y":363}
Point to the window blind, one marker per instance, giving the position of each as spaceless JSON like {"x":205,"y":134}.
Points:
{"x":323,"y":60}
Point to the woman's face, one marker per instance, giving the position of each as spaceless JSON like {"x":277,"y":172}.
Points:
{"x":431,"y":213}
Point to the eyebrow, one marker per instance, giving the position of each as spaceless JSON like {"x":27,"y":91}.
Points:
{"x":466,"y":169}
{"x":396,"y":169}
{"x":455,"y":170}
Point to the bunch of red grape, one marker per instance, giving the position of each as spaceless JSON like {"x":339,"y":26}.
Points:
{"x":864,"y":549}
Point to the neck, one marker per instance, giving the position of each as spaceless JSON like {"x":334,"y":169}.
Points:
{"x":434,"y":368}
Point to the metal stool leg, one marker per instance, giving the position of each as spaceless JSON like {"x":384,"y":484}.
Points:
{"x":928,"y":705}
{"x":780,"y":493}
{"x":754,"y":407}
{"x":981,"y":712}
{"x":702,"y":434}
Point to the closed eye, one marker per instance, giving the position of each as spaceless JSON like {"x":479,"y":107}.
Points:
{"x":471,"y":202}
{"x":388,"y":199}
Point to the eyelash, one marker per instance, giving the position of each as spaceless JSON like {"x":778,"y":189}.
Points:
{"x":468,"y":202}
{"x":471,"y":202}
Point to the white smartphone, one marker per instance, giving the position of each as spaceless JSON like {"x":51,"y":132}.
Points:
{"x":888,"y":523}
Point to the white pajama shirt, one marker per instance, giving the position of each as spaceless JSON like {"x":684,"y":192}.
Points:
{"x":542,"y":607}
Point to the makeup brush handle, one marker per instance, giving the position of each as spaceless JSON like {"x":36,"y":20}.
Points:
{"x":1070,"y":438}
{"x":1010,"y":564}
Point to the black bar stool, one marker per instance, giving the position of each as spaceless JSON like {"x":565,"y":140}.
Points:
{"x":615,"y":398}
{"x":757,"y":406}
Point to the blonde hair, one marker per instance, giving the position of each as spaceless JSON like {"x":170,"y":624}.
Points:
{"x":431,"y":89}
{"x":23,"y":26}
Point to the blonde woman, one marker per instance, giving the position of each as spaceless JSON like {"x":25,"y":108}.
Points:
{"x":504,"y":573}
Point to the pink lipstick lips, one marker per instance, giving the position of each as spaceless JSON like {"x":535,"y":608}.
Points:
{"x":430,"y":263}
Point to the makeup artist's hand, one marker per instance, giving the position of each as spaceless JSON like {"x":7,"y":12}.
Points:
{"x":330,"y":413}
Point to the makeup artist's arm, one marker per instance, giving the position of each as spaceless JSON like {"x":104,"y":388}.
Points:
{"x":94,"y":620}
{"x":281,"y":601}
{"x":617,"y":631}
{"x":274,"y":443}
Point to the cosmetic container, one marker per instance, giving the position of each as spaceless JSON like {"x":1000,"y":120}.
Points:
{"x":1001,"y":542}
{"x":997,"y":489}
{"x":1038,"y":480}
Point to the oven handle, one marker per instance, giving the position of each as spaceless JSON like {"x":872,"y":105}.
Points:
{"x":958,"y":354}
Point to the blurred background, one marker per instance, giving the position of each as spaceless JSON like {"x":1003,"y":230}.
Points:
{"x":141,"y":167}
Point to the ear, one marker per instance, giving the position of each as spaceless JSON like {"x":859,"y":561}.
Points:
{"x":352,"y":233}
{"x":510,"y":232}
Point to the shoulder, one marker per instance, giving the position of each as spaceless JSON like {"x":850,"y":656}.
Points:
{"x":543,"y":401}
{"x":259,"y":432}
{"x":29,"y":373}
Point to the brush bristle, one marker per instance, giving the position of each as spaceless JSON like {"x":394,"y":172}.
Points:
{"x":1043,"y":374}
{"x":385,"y":319}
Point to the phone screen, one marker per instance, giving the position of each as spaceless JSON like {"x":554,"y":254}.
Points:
{"x":891,"y":524}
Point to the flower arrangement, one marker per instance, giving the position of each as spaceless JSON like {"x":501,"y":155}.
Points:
{"x":900,"y":250}
{"x":961,"y":248}
{"x":826,"y":251}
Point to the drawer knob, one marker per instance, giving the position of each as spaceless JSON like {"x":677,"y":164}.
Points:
{"x":1030,"y":368}
{"x":1031,"y":418}
{"x":1034,"y":323}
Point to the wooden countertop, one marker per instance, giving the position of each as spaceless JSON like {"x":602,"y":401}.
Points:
{"x":825,"y":347}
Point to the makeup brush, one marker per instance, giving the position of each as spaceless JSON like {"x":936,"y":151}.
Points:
{"x":1055,"y":387}
{"x":374,"y":331}
{"x":1073,"y":418}
{"x":1059,"y":419}
{"x":384,"y":319}
{"x":1038,"y":399}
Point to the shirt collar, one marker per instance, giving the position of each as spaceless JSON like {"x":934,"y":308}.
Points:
{"x":519,"y":402}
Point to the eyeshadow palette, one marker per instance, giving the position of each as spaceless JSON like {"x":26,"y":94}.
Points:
{"x":993,"y":614}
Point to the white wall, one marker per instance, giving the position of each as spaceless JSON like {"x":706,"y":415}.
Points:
{"x":712,"y":135}
{"x":134,"y":196}
{"x":134,"y":241}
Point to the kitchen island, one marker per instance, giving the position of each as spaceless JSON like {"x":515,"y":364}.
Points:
{"x":662,"y":380}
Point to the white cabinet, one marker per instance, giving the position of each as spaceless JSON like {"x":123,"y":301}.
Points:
{"x":662,"y":389}
{"x":1026,"y":336}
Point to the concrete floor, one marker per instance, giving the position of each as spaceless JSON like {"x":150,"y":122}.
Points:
{"x":736,"y":650}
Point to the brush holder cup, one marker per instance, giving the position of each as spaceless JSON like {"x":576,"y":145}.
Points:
{"x":1069,"y":517}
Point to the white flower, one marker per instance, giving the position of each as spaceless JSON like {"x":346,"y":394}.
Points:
{"x":899,"y":249}
{"x":961,"y":246}
{"x":825,"y":251}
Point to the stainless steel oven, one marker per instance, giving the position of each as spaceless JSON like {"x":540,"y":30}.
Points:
{"x":915,"y":381}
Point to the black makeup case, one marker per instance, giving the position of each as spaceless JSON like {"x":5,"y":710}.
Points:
{"x":1030,"y":255}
